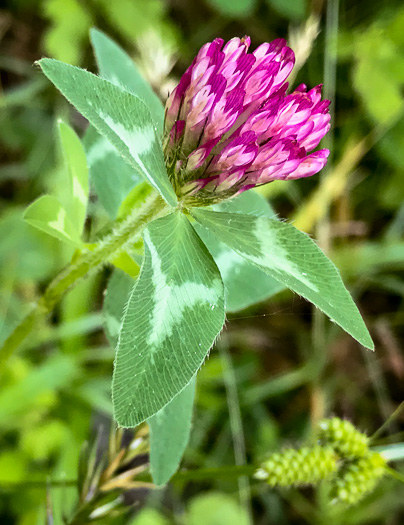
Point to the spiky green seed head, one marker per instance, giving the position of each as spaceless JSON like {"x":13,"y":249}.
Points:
{"x":303,"y":466}
{"x":357,"y":478}
{"x":346,"y":440}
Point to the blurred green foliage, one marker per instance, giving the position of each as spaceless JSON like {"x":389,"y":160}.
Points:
{"x":290,"y":369}
{"x":69,"y":26}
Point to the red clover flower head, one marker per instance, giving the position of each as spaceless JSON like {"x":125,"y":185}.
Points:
{"x":230,"y":124}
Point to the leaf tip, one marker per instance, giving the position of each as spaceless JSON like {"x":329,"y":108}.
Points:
{"x":44,"y":64}
{"x":41,"y":61}
{"x":61,"y":125}
{"x":369,"y":344}
{"x":95,"y":33}
{"x":38,"y":63}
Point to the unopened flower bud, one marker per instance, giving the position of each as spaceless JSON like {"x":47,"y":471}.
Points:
{"x":230,"y":124}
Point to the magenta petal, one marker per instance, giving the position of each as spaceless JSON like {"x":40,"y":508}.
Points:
{"x":209,"y":49}
{"x":239,"y":152}
{"x":199,"y":155}
{"x":310,"y":165}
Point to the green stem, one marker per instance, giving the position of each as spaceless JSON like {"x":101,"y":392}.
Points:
{"x":227,"y":472}
{"x":124,"y":232}
{"x":236,"y":424}
{"x":394,"y":474}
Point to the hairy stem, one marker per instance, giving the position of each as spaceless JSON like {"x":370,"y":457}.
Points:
{"x":124,"y":232}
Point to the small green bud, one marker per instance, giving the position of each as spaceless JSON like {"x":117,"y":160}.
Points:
{"x":346,"y":440}
{"x":357,"y":478}
{"x":306,"y":465}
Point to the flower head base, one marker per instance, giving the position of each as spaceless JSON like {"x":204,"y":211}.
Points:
{"x":230,"y":124}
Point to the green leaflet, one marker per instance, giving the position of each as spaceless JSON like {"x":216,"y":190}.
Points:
{"x":169,"y":434}
{"x":244,"y":283}
{"x":293,"y":259}
{"x":119,"y":116}
{"x":117,"y":294}
{"x":116,"y":65}
{"x":174,"y":314}
{"x":48,"y":215}
{"x":66,"y":222}
{"x":76,"y":164}
{"x":171,"y":426}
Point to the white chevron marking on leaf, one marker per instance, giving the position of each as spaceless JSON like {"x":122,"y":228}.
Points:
{"x":166,"y":292}
{"x":279,"y":256}
{"x":59,"y":223}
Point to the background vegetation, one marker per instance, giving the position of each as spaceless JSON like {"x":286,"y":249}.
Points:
{"x":278,"y":367}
